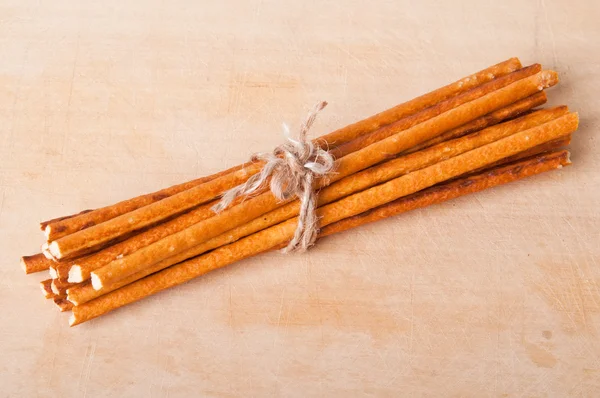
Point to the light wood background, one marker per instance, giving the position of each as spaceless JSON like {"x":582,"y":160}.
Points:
{"x":492,"y":295}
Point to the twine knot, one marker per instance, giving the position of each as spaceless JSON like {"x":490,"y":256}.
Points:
{"x":292,"y":168}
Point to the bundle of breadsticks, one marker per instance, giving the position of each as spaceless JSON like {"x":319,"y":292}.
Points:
{"x":478,"y":132}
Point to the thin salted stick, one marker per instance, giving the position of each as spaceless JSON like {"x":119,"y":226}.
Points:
{"x":343,"y":209}
{"x":354,"y":183}
{"x":403,"y":124}
{"x":508,"y":112}
{"x":349,"y":164}
{"x":63,"y":304}
{"x":63,"y":226}
{"x":76,"y":243}
{"x":398,"y":112}
{"x":441,"y":193}
{"x":55,"y":229}
{"x":60,"y":286}
{"x":46,"y":287}
{"x":44,"y":224}
{"x":35,"y":263}
{"x":81,"y":268}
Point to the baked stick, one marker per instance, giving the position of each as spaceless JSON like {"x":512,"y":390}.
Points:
{"x":46,"y":287}
{"x":443,"y":192}
{"x":398,"y":112}
{"x":35,"y":263}
{"x":74,"y":244}
{"x":81,"y":269}
{"x":344,"y":208}
{"x":403,"y":124}
{"x":352,"y":163}
{"x":348,"y":185}
{"x":436,"y":194}
{"x":58,"y":228}
{"x":511,"y":111}
{"x":355,"y":183}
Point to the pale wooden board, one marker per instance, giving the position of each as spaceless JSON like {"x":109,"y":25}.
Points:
{"x":496,"y":294}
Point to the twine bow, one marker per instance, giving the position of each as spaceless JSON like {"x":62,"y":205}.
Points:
{"x":292,"y":168}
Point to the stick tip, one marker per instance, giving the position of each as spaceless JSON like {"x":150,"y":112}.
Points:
{"x":44,"y":286}
{"x":54,"y":288}
{"x":516,"y":62}
{"x":75,"y":274}
{"x":72,"y":299}
{"x":567,"y":161}
{"x":548,"y":78}
{"x":23,"y":262}
{"x":54,"y":249}
{"x":96,"y":282}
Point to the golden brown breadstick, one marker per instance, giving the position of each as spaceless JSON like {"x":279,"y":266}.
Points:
{"x":44,"y":224}
{"x":508,"y":112}
{"x":344,"y":208}
{"x":349,"y":164}
{"x":398,"y":112}
{"x":74,"y":244}
{"x":403,"y":124}
{"x":81,"y":268}
{"x":46,"y":287}
{"x":55,"y":229}
{"x":60,"y":286}
{"x":540,"y":149}
{"x":35,"y":263}
{"x":63,"y":304}
{"x":344,"y":187}
{"x":440,"y":193}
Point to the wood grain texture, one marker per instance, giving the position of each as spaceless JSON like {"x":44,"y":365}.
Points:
{"x":495,"y":294}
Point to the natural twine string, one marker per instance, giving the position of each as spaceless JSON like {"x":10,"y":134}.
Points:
{"x":292,"y":168}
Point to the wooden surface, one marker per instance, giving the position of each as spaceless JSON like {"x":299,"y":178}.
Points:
{"x":492,"y":295}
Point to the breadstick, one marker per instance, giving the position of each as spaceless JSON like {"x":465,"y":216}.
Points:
{"x":344,"y":208}
{"x":398,"y":112}
{"x":441,"y":193}
{"x":81,"y":268}
{"x":344,"y":187}
{"x":70,"y":246}
{"x":35,"y":263}
{"x":506,"y":113}
{"x":540,"y":149}
{"x":349,"y":164}
{"x":63,"y":304}
{"x":46,"y":287}
{"x":415,"y":181}
{"x":63,"y":226}
{"x":55,"y":229}
{"x":337,"y":137}
{"x":62,"y":270}
{"x":44,"y":224}
{"x":403,"y":124}
{"x":60,"y":286}
{"x":46,"y":251}
{"x":52,"y":271}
